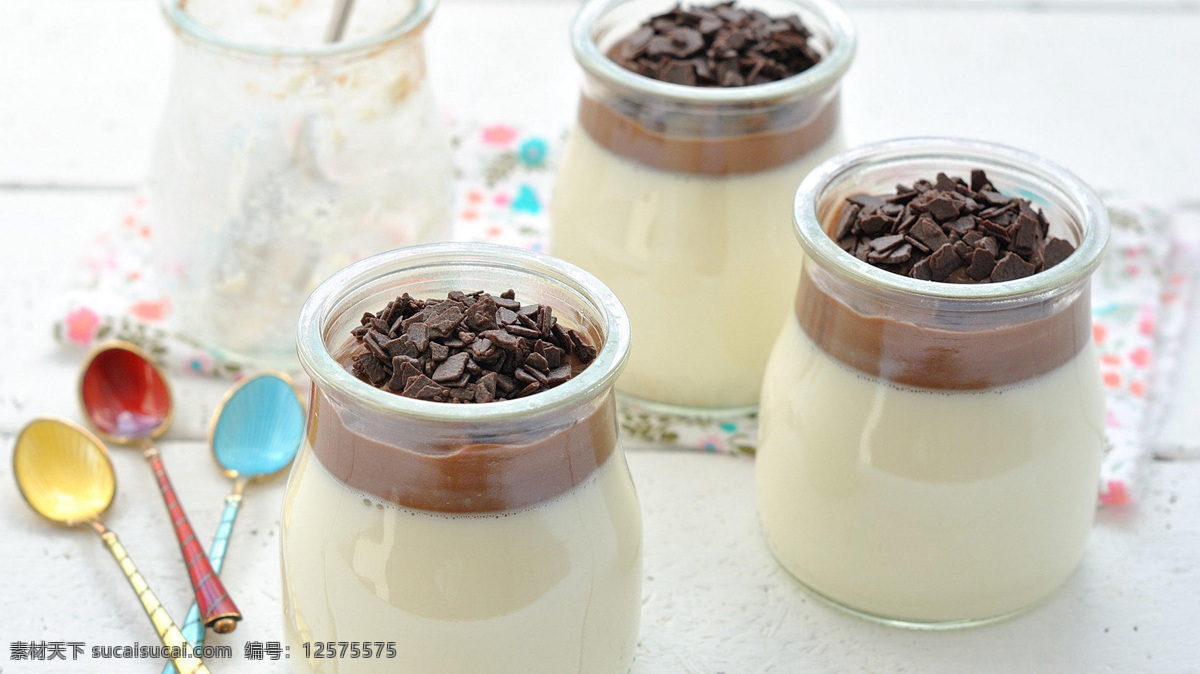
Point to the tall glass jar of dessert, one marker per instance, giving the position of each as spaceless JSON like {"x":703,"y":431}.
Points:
{"x":930,"y":447}
{"x":677,"y":193}
{"x":282,"y":157}
{"x":488,"y":537}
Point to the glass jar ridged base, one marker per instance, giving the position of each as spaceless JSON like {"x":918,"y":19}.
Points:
{"x":904,"y":623}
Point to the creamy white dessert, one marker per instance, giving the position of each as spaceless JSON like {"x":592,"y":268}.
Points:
{"x":554,"y":587}
{"x":920,"y":505}
{"x":706,"y":266}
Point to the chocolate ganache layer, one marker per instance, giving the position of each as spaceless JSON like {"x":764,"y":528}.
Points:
{"x":650,"y":140}
{"x":413,"y":470}
{"x":941,"y":358}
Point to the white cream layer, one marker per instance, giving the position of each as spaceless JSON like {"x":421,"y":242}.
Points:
{"x":553,"y":588}
{"x":706,"y":267}
{"x":921,"y":505}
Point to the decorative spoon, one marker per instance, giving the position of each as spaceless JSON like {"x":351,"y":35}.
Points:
{"x":65,"y":475}
{"x":255,"y":433}
{"x":125,"y":396}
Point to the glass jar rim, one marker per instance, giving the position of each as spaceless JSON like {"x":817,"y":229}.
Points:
{"x":823,"y":250}
{"x":821,"y":76}
{"x":184,"y":22}
{"x":328,"y":374}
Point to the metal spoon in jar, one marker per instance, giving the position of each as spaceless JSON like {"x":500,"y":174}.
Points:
{"x":65,"y":475}
{"x":125,"y":397}
{"x":255,"y":433}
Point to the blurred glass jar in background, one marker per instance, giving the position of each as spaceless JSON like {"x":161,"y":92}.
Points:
{"x":679,"y":197}
{"x":281,"y":158}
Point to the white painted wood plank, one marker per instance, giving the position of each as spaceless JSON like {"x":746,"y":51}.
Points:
{"x":714,"y":600}
{"x":1113,"y":95}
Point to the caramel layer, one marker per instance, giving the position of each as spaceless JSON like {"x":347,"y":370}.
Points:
{"x":702,"y":155}
{"x":935,"y":358}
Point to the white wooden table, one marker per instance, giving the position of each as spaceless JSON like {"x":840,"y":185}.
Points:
{"x":1110,"y":89}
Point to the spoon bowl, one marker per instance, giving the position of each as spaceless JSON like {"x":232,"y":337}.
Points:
{"x":124,"y":394}
{"x":259,"y":426}
{"x":63,"y":471}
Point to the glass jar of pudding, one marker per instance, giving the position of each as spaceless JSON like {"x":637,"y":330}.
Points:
{"x":930,"y":452}
{"x":678,"y":198}
{"x":492,"y":537}
{"x":282,"y":157}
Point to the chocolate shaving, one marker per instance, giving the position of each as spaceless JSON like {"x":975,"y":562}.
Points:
{"x":469,"y":348}
{"x":949,"y":230}
{"x":719,"y":45}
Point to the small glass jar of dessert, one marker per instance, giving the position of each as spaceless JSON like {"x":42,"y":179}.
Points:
{"x":932,"y":419}
{"x":462,"y":494}
{"x":695,"y":126}
{"x":282,"y":157}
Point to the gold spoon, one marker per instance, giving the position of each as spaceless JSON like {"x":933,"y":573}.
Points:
{"x":65,"y":475}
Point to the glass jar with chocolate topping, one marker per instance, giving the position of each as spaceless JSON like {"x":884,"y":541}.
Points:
{"x":491,"y":536}
{"x":695,"y":125}
{"x":930,"y":447}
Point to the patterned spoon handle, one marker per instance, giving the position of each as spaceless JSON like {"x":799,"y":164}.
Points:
{"x":216,"y":608}
{"x":193,"y":629}
{"x":170,"y":635}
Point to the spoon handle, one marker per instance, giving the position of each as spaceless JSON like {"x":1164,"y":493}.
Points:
{"x":216,"y":608}
{"x":170,"y":635}
{"x":193,"y":629}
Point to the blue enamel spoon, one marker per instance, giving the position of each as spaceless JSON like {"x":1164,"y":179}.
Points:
{"x":255,"y":433}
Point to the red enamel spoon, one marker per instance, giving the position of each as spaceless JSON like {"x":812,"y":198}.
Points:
{"x":125,"y":397}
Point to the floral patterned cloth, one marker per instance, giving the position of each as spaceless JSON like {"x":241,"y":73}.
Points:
{"x":503,"y":181}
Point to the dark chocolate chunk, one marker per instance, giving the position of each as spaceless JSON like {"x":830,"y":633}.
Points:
{"x":452,"y":369}
{"x":900,"y":254}
{"x":963,"y":225}
{"x":1011,"y":267}
{"x":918,"y":245}
{"x":419,"y":334}
{"x":1027,"y":233}
{"x":506,"y":316}
{"x":846,"y":221}
{"x":982,"y":263}
{"x":370,"y":369}
{"x":963,"y":250}
{"x":875,"y":223}
{"x":482,"y":314}
{"x":995,"y":229}
{"x":886,"y":243}
{"x":979,"y":180}
{"x":1056,"y":251}
{"x":438,"y":352}
{"x":929,"y":234}
{"x":943,"y":262}
{"x":922,"y":271}
{"x":943,"y":209}
{"x":502,"y":339}
{"x":944,"y":183}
